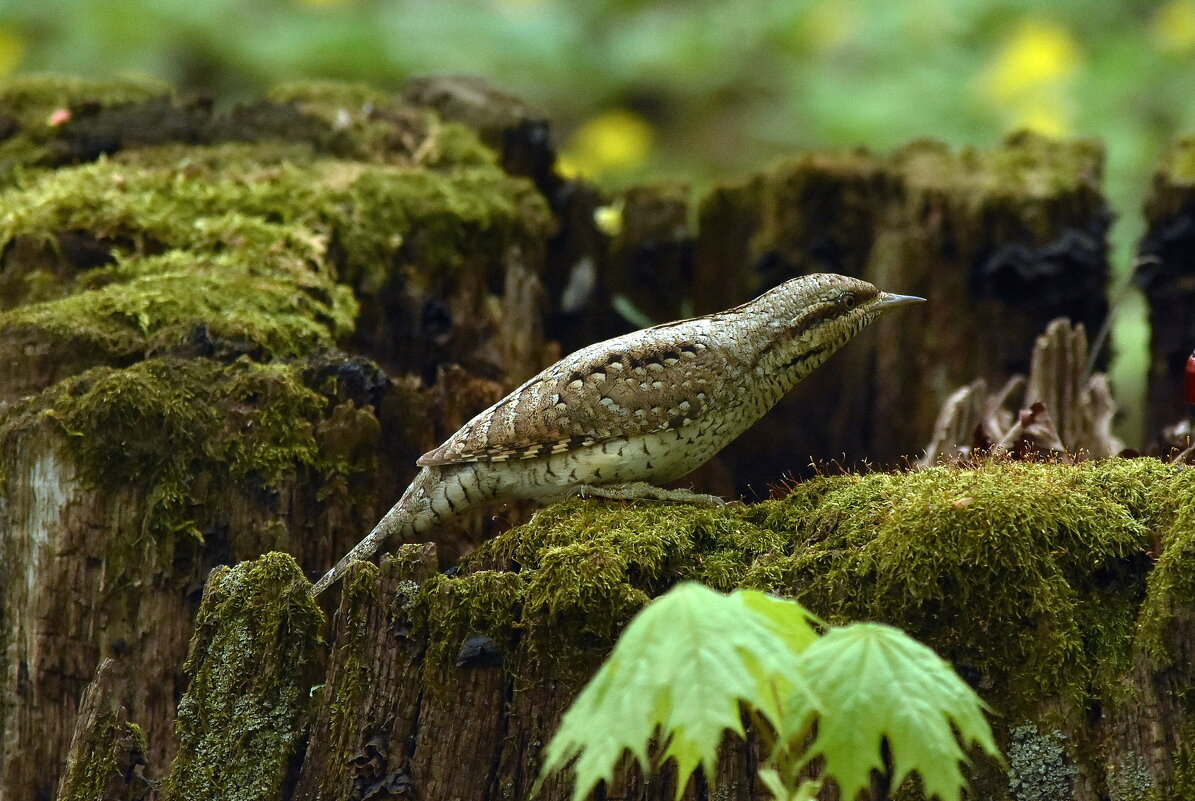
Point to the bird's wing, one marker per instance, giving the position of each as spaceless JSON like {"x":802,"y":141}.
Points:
{"x":627,"y":386}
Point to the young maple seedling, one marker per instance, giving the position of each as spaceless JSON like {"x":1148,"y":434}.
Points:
{"x":687,"y":662}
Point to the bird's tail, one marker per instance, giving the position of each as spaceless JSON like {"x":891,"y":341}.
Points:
{"x":401,"y":522}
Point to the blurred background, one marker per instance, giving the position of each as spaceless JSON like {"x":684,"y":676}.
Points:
{"x":698,"y":90}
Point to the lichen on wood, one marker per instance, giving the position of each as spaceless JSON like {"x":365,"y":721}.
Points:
{"x":251,"y":671}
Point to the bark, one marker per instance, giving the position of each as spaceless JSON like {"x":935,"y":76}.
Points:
{"x":1166,"y":273}
{"x":363,"y":727}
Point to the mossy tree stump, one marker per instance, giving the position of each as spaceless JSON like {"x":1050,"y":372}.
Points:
{"x":1037,"y":581}
{"x":227,"y":333}
{"x":176,"y":288}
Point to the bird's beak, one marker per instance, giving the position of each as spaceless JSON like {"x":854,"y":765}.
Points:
{"x":888,"y":301}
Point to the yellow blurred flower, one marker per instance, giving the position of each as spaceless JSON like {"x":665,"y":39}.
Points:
{"x":1174,"y":25}
{"x":567,"y":167}
{"x":1029,"y":78}
{"x":1039,"y":53}
{"x":613,"y":141}
{"x":12,"y":50}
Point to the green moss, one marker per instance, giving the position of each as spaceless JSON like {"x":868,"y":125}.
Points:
{"x":585,"y":568}
{"x":1030,"y":574}
{"x":239,"y":305}
{"x":382,"y":127}
{"x":1183,"y":782}
{"x":1178,"y":168}
{"x":328,"y":98}
{"x":440,"y":219}
{"x":1027,"y":165}
{"x":146,"y":208}
{"x":250,"y":661}
{"x":482,"y":603}
{"x":1029,"y":577}
{"x":1172,"y":583}
{"x":30,"y":100}
{"x":443,"y":221}
{"x":183,"y":431}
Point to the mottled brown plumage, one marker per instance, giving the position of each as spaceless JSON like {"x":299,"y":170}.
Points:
{"x":650,"y":406}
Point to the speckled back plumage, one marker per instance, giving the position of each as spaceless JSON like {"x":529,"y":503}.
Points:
{"x":622,"y":387}
{"x":665,"y":377}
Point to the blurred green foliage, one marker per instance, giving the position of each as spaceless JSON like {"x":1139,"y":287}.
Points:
{"x":695,"y":89}
{"x":721,"y":86}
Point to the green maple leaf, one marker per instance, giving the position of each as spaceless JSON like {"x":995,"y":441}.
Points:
{"x":682,"y":667}
{"x":876,"y":682}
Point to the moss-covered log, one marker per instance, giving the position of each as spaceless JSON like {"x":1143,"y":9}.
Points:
{"x":1038,"y":581}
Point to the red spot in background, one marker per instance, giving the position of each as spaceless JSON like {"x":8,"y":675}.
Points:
{"x":1189,"y":384}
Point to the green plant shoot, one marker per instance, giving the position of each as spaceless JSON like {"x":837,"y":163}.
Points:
{"x":692,"y":659}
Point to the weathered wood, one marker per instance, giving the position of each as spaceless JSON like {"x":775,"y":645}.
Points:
{"x":1166,"y":273}
{"x":107,"y":751}
{"x":173,"y":397}
{"x":1063,"y":410}
{"x":363,"y":729}
{"x":94,"y":565}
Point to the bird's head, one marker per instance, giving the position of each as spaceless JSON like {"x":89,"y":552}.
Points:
{"x":812,"y":316}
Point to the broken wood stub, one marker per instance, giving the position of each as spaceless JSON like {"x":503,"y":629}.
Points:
{"x":1166,"y":274}
{"x":364,"y":721}
{"x":1059,"y":408}
{"x":107,"y":751}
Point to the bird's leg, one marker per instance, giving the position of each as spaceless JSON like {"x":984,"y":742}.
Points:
{"x":641,"y":490}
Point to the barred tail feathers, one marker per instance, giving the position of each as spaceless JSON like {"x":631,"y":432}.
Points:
{"x":422,"y":506}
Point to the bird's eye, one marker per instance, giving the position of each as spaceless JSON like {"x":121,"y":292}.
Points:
{"x":848,"y":300}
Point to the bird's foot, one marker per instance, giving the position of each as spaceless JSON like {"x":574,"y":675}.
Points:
{"x":641,"y":490}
